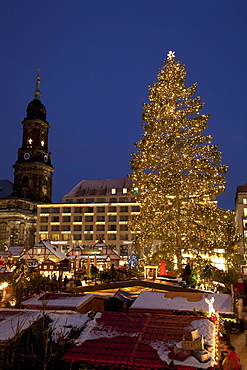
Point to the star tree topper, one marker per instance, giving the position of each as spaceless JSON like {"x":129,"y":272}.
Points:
{"x":171,"y":55}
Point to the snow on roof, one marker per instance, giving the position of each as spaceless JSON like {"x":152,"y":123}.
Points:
{"x":60,"y":300}
{"x":62,"y":324}
{"x":96,"y":185}
{"x":14,"y":321}
{"x":160,"y":301}
{"x":52,"y":248}
{"x":16,"y":251}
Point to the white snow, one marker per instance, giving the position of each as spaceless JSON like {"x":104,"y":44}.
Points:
{"x":158,"y":301}
{"x":14,"y":324}
{"x":11,"y":324}
{"x":67,"y":300}
{"x":207,"y":329}
{"x":62,"y":324}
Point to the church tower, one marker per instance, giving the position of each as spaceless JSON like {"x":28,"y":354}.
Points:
{"x":33,"y":168}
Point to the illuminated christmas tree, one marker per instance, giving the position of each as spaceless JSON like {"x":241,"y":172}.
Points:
{"x":177,"y":173}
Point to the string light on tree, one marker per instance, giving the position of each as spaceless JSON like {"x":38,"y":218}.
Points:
{"x":178,"y":173}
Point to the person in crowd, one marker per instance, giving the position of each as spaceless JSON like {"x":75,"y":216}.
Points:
{"x":231,"y":360}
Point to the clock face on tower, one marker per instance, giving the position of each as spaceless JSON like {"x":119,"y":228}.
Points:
{"x":46,"y":158}
{"x":26,"y":156}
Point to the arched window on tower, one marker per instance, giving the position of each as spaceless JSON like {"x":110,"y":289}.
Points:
{"x":25,"y":187}
{"x":3,"y":232}
{"x":21,"y":234}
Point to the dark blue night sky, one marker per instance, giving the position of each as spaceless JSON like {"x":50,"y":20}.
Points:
{"x":96,"y":60}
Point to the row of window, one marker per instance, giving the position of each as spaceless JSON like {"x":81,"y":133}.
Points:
{"x":67,"y":237}
{"x":86,"y":218}
{"x":86,"y":228}
{"x":89,"y":209}
{"x":100,"y":200}
{"x":101,"y":191}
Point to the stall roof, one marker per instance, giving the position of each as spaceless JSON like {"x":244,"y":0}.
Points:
{"x":139,"y":341}
{"x":67,"y":301}
{"x":182,"y":301}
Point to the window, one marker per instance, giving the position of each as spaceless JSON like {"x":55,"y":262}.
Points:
{"x":55,"y":219}
{"x":92,"y":191}
{"x":89,"y":200}
{"x":77,"y":227}
{"x":113,"y":200}
{"x":123,"y":250}
{"x":112,"y":209}
{"x":43,"y":236}
{"x":55,"y":228}
{"x":123,"y":236}
{"x":100,"y":236}
{"x":100,"y":200}
{"x":44,"y":219}
{"x":102,"y":191}
{"x":81,"y":192}
{"x":66,"y":218}
{"x":113,"y":191}
{"x":100,"y":209}
{"x":54,"y":209}
{"x":89,"y":218}
{"x":80,"y":200}
{"x":45,"y":210}
{"x":245,"y":212}
{"x":112,"y":227}
{"x":68,"y":201}
{"x":3,"y":231}
{"x":123,"y":200}
{"x":112,"y":236}
{"x":66,"y":227}
{"x":77,"y":218}
{"x":21,"y":233}
{"x":100,"y":227}
{"x":54,"y":237}
{"x":112,"y":218}
{"x":88,"y":236}
{"x":124,"y":218}
{"x":123,"y":227}
{"x":66,"y":209}
{"x":65,"y":237}
{"x":78,"y":210}
{"x":88,"y":227}
{"x":43,"y":227}
{"x":124,"y":209}
{"x":89,"y":209}
{"x":135,"y":209}
{"x":101,"y":218}
{"x":125,"y":190}
{"x":244,"y":200}
{"x":77,"y":236}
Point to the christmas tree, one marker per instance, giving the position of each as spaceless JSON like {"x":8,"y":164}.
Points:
{"x":177,"y":173}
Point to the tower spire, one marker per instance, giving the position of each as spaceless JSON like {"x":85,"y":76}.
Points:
{"x":37,"y":93}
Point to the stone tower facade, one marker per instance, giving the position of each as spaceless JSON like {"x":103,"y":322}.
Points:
{"x":33,"y":168}
{"x":32,"y":180}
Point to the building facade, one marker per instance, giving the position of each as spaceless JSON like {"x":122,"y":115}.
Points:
{"x":92,"y":210}
{"x":241,"y":215}
{"x":32,"y":179}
